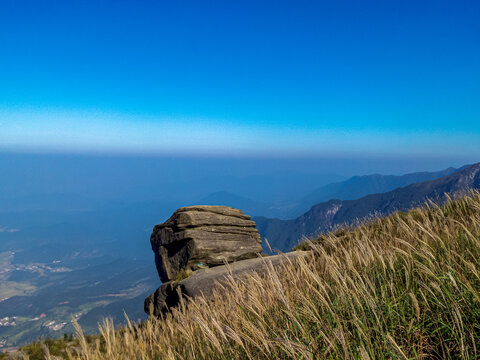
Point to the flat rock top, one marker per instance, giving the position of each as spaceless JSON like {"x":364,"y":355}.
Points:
{"x":216,"y":209}
{"x":200,"y":215}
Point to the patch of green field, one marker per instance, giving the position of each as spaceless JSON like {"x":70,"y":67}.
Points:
{"x":12,"y":288}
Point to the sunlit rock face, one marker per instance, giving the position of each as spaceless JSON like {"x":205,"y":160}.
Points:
{"x":198,"y":237}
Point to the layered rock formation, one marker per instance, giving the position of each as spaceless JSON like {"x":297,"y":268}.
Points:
{"x":202,"y":236}
{"x":199,"y":240}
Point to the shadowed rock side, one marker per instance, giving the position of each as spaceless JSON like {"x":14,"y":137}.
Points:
{"x":202,"y":236}
{"x":203,"y":282}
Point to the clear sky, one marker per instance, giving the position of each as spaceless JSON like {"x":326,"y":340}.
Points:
{"x":245,"y":77}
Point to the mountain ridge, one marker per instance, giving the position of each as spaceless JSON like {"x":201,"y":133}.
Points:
{"x":284,"y":234}
{"x":352,"y":188}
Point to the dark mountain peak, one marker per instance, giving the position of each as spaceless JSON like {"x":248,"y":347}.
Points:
{"x":469,"y":169}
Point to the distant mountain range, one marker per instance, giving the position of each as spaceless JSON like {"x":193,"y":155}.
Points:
{"x":359,"y":186}
{"x":284,"y":234}
{"x":350,"y":189}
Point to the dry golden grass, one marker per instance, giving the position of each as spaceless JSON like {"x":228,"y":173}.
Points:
{"x":406,"y":286}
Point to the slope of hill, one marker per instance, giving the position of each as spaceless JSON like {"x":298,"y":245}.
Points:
{"x":359,"y":186}
{"x":406,"y":286}
{"x":284,"y":234}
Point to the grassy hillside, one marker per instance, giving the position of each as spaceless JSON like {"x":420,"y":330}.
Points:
{"x":406,"y":286}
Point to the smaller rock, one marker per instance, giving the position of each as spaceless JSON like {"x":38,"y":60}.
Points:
{"x":203,"y":282}
{"x":165,"y":297}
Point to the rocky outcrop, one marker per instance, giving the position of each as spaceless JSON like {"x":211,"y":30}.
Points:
{"x":203,"y":282}
{"x":211,"y":243}
{"x":196,"y":237}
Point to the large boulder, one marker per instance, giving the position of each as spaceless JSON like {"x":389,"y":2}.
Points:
{"x":203,"y":282}
{"x":196,"y":237}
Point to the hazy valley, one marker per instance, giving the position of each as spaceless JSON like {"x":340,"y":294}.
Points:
{"x":86,"y":256}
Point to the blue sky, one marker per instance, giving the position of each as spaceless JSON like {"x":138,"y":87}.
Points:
{"x":248,"y":77}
